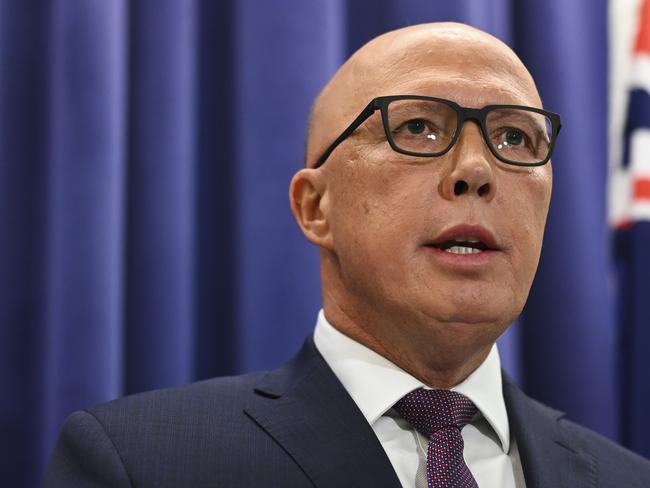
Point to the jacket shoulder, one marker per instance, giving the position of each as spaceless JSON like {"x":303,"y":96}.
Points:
{"x":617,"y":466}
{"x":213,"y":395}
{"x":579,"y":456}
{"x":193,"y":435}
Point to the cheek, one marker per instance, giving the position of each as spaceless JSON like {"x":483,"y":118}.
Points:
{"x":378,"y":197}
{"x":376,"y":213}
{"x":528,"y":209}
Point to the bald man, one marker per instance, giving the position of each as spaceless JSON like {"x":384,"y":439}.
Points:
{"x":426,"y":188}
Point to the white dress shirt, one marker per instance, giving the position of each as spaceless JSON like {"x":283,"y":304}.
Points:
{"x":376,"y":384}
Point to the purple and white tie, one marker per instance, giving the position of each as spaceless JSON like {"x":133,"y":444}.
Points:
{"x":440,"y":415}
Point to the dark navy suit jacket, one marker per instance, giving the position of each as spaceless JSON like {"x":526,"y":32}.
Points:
{"x":296,"y":427}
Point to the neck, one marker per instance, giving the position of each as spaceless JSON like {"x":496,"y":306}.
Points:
{"x":439,"y":355}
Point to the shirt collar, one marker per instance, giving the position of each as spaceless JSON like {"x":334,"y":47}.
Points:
{"x":376,"y":384}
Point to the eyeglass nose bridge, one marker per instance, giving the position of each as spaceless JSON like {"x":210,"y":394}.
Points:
{"x":477,"y":115}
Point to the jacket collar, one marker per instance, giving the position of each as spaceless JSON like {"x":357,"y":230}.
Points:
{"x":549,"y":456}
{"x":307,"y":411}
{"x":304,"y":407}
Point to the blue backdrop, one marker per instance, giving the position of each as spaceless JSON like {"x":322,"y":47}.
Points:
{"x":146,"y":240}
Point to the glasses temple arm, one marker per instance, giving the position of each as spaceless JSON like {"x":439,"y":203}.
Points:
{"x":361,"y":118}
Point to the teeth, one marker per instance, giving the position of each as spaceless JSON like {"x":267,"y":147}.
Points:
{"x":467,"y":239}
{"x":463,"y":250}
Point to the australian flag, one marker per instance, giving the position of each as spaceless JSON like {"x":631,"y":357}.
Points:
{"x":629,"y":212}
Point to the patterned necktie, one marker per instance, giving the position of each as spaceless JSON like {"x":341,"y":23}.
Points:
{"x":440,"y":415}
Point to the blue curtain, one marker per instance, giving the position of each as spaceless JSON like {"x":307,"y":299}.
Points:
{"x":146,"y":239}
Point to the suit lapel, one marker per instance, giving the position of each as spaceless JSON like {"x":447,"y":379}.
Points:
{"x":304,"y":407}
{"x":549,"y":457}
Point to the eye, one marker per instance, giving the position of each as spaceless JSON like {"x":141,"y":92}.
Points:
{"x":419,"y":134}
{"x":416,"y":126}
{"x":514,"y":137}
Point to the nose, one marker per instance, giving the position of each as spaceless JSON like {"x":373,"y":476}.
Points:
{"x":469,"y":171}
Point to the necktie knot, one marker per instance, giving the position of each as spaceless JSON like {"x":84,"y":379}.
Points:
{"x":428,"y":411}
{"x":440,"y":415}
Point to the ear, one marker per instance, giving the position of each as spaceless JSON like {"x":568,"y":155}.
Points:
{"x":310,"y":204}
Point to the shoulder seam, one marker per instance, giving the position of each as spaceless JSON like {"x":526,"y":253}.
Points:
{"x":117,"y":452}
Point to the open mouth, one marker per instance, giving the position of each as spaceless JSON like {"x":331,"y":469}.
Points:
{"x":462,"y":245}
{"x":464,"y":240}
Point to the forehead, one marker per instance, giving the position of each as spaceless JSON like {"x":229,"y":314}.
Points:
{"x":473,"y":70}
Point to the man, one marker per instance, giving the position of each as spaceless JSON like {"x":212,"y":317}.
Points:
{"x":427,"y":187}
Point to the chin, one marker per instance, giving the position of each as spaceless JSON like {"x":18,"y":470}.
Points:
{"x":470,"y":313}
{"x":471,"y":320}
{"x":491,"y":304}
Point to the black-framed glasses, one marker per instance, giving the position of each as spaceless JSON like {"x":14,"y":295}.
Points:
{"x":428,"y":127}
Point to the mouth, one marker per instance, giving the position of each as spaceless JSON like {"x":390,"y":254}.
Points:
{"x":465,"y":240}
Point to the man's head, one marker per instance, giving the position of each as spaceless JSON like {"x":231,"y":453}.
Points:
{"x":385,"y":221}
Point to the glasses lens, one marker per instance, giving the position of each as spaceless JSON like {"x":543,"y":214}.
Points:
{"x":519,"y":135}
{"x":421,"y":126}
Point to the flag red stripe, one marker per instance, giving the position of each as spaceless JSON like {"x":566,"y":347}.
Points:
{"x":643,"y":36}
{"x":642,"y":189}
{"x":625,"y":224}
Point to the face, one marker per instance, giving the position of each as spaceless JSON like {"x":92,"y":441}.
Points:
{"x":393,"y":219}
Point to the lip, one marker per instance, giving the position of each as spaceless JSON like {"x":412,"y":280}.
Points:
{"x":466,"y":263}
{"x":478,"y":231}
